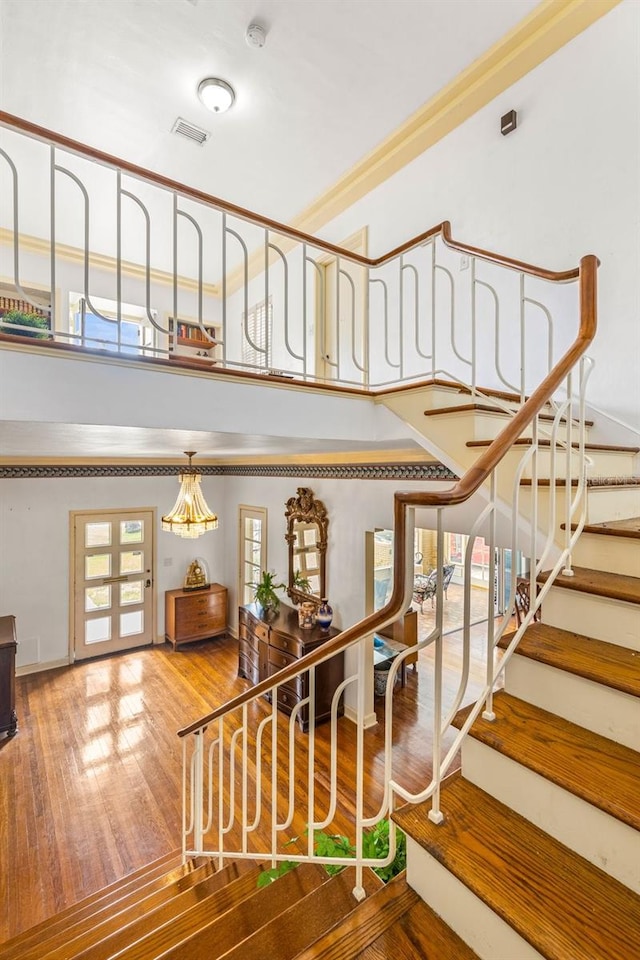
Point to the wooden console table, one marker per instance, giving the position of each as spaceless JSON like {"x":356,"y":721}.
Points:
{"x":191,"y":615}
{"x":8,"y":645}
{"x":264,"y":647}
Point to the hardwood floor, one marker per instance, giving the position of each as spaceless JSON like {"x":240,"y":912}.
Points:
{"x":90,"y":788}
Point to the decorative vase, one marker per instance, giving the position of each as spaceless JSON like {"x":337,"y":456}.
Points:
{"x":306,"y":614}
{"x":324,"y":614}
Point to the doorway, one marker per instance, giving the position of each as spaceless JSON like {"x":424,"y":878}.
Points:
{"x":112,"y":586}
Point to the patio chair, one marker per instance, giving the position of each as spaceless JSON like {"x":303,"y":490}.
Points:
{"x":424,"y":588}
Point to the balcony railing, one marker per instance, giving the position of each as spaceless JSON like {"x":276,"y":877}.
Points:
{"x":123,"y":259}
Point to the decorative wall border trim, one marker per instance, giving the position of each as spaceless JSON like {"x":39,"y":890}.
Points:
{"x":360,"y":471}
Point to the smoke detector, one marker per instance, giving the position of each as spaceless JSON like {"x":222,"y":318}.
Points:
{"x":256,"y":36}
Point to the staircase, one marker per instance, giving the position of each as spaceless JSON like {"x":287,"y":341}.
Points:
{"x":539,"y":851}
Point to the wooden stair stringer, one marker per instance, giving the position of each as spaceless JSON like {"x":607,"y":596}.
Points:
{"x":553,"y":900}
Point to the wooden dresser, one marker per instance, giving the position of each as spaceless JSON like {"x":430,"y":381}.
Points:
{"x":264,"y":647}
{"x":191,"y":615}
{"x":8,"y":644}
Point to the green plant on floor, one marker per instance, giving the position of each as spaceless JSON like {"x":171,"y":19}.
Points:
{"x":265,"y":591}
{"x":375,"y":846}
{"x":38,"y":323}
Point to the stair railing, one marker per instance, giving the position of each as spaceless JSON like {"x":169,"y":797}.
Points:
{"x":340,"y":778}
{"x":280,"y":302}
{"x":432,"y":307}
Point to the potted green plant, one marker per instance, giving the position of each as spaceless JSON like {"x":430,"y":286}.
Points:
{"x":38,"y":323}
{"x":265,"y":592}
{"x":375,"y":846}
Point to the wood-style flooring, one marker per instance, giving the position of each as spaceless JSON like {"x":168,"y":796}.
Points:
{"x":90,"y":788}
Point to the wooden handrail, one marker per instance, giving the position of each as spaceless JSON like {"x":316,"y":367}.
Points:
{"x":444,"y":228}
{"x":461,"y":491}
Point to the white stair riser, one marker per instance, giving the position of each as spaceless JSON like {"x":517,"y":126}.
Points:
{"x":604,"y":464}
{"x":434,"y":397}
{"x":487,"y":426}
{"x":482,"y":929}
{"x":600,"y":617}
{"x":603,"y":503}
{"x":601,"y":709}
{"x":613,"y":554}
{"x":590,"y":832}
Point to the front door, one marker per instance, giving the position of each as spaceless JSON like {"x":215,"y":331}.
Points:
{"x":113,"y":581}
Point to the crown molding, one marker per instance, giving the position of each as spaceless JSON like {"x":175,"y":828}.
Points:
{"x":101,"y":261}
{"x":325,"y":471}
{"x":551,"y":25}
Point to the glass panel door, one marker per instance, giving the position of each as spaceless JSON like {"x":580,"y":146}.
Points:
{"x":252,"y":550}
{"x":113,"y":582}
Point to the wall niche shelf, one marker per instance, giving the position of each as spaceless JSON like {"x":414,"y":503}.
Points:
{"x":186,"y":339}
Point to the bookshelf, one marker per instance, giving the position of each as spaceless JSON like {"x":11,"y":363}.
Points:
{"x":187,"y":340}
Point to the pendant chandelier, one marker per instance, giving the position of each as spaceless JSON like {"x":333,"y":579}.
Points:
{"x":190,"y":517}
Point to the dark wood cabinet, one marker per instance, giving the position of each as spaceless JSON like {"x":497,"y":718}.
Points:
{"x":265,"y":647}
{"x":191,"y":615}
{"x":8,"y":645}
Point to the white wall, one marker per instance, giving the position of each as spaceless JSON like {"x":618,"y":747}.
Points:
{"x":35,"y":537}
{"x":564,"y":184}
{"x":34,"y":555}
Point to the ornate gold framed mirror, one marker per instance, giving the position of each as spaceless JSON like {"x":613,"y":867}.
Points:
{"x":306,"y":535}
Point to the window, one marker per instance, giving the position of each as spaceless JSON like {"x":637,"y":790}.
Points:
{"x":252,"y":550}
{"x":257,"y":330}
{"x":131,"y":333}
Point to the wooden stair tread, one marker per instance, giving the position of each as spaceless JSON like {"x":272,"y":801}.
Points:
{"x":606,"y":663}
{"x":488,"y":408}
{"x":122,"y":920}
{"x":152,"y":876}
{"x":612,"y":528}
{"x":600,"y":583}
{"x":206,"y":901}
{"x":557,"y":901}
{"x":212,"y":928}
{"x":394,"y":922}
{"x":527,"y":442}
{"x":305,"y":921}
{"x":602,"y":772}
{"x":419,"y":933}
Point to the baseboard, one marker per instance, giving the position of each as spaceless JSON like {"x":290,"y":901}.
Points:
{"x":370,"y":719}
{"x":28,"y":668}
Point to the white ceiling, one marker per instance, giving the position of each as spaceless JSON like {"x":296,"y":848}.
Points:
{"x":100,"y":441}
{"x":334,"y":79}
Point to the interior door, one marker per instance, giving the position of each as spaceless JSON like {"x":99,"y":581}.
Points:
{"x":113,"y":581}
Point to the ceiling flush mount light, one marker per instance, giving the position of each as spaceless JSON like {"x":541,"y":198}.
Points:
{"x":190,"y":517}
{"x":217,"y":95}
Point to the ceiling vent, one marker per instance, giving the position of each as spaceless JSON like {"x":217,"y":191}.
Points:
{"x":189,"y":130}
